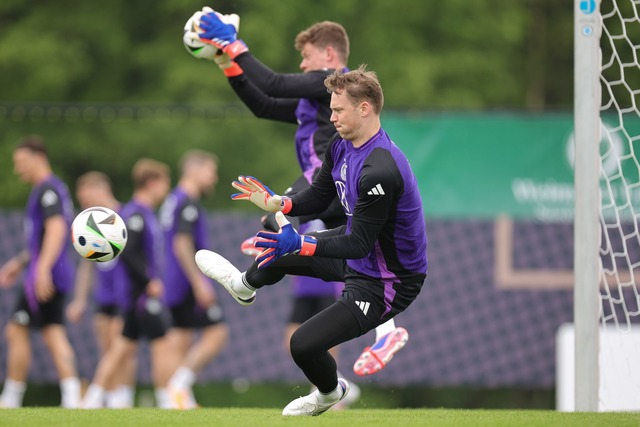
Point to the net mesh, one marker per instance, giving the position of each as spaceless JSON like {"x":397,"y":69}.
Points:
{"x":620,"y":169}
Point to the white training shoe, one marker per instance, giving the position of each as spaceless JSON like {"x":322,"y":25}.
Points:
{"x":222,"y":271}
{"x":311,"y":405}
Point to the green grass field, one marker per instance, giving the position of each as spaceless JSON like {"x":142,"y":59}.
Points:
{"x":261,"y":417}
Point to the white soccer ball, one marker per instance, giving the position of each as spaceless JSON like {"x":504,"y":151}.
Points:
{"x":191,"y":34}
{"x":98,"y":234}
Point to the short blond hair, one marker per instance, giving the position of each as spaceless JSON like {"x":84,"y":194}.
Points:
{"x":93,"y":179}
{"x":360,"y":85}
{"x":196,"y":157}
{"x":145,"y":170}
{"x":324,"y":34}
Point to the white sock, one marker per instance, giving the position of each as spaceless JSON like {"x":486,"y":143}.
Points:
{"x":70,"y":392}
{"x":121,"y":397}
{"x":12,"y":393}
{"x":385,"y":328}
{"x":331,"y":397}
{"x":94,"y":397}
{"x":127,"y":394}
{"x":183,"y":378}
{"x":162,"y":398}
{"x":240,"y":285}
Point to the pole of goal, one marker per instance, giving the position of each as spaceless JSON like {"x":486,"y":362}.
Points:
{"x":587,"y":100}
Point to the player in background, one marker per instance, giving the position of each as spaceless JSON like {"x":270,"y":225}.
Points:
{"x":93,"y":188}
{"x":189,"y":294}
{"x":49,"y":277}
{"x":380,"y":253}
{"x":301,"y":99}
{"x":139,"y":286}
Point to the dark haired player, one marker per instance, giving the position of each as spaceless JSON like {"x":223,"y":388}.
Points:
{"x":50,"y":273}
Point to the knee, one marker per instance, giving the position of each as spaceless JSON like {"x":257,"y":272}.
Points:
{"x":301,"y":348}
{"x":14,"y":331}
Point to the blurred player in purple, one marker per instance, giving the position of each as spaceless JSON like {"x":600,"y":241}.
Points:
{"x":189,"y":294}
{"x":50,"y":273}
{"x":381,"y":253}
{"x":139,"y":286}
{"x":93,"y":188}
{"x":300,"y":99}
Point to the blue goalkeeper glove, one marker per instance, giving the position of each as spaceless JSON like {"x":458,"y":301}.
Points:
{"x":285,"y":242}
{"x":221,"y":34}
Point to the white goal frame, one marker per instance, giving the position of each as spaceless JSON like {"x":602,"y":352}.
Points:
{"x":587,"y":102}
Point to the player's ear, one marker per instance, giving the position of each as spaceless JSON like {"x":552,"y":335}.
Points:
{"x":330,"y":53}
{"x":364,"y":108}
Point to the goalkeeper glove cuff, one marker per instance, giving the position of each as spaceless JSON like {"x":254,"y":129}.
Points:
{"x":235,"y":48}
{"x":308,"y":245}
{"x":286,"y":205}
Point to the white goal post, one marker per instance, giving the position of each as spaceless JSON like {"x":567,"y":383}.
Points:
{"x":607,"y":205}
{"x":587,"y":101}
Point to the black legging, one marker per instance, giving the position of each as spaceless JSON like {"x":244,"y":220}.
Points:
{"x":334,"y":325}
{"x":312,"y":340}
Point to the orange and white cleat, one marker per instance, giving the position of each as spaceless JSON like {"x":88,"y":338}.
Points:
{"x":373,"y":359}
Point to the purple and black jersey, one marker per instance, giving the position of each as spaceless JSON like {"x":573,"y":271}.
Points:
{"x":385,"y":236}
{"x":180,"y":214}
{"x":300,"y":98}
{"x":48,"y":199}
{"x":106,"y":279}
{"x":140,"y":261}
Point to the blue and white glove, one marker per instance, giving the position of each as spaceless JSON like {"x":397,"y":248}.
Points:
{"x":221,"y":33}
{"x":285,"y":242}
{"x":191,"y":35}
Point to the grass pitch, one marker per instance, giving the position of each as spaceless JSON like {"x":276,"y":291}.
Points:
{"x":261,"y":417}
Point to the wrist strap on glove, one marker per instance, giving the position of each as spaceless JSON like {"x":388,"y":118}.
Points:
{"x":236,"y":48}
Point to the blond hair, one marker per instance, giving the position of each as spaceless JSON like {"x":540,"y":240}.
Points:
{"x":324,"y":34}
{"x":359,"y":85}
{"x":145,"y":170}
{"x":196,"y":157}
{"x":93,"y":179}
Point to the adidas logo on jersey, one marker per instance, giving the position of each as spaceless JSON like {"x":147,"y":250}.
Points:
{"x":376,"y":191}
{"x":364,"y":306}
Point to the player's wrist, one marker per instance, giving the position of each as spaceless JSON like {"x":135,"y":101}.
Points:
{"x":286,"y":204}
{"x":308,"y":245}
{"x":233,"y":70}
{"x":235,"y":48}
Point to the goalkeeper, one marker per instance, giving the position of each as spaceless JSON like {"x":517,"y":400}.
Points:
{"x":300,"y":98}
{"x":380,"y":253}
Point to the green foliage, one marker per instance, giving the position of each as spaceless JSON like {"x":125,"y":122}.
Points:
{"x":113,"y":58}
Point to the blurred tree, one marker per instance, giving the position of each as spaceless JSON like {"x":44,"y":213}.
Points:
{"x":112,"y":58}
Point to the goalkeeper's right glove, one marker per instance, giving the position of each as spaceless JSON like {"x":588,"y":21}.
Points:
{"x":221,"y":34}
{"x":260,"y":195}
{"x":191,"y":34}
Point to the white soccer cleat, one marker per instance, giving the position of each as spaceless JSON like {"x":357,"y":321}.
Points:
{"x":222,"y":271}
{"x":311,"y":404}
{"x":182,"y":398}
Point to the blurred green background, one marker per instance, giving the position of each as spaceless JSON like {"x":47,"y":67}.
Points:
{"x":108,"y":82}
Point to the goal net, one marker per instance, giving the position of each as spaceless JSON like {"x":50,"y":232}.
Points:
{"x":615,"y":384}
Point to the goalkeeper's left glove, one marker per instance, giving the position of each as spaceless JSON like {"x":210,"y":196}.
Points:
{"x":221,"y":34}
{"x":260,"y":195}
{"x":285,"y":242}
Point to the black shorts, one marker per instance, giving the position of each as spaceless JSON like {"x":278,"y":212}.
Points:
{"x":146,"y":321}
{"x":306,"y":307}
{"x":109,"y":310}
{"x":366,"y":299}
{"x":48,"y":313}
{"x":189,"y":315}
{"x":371,"y":300}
